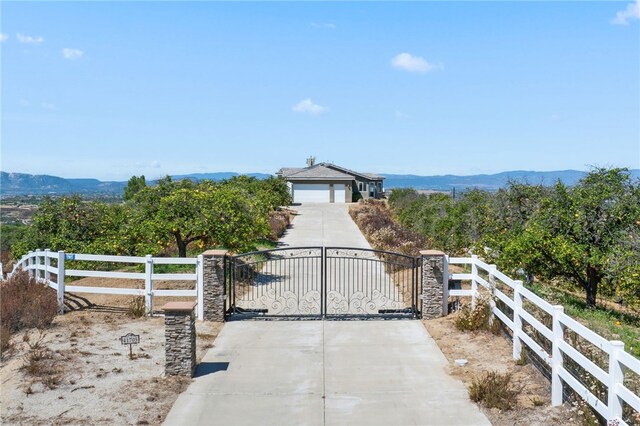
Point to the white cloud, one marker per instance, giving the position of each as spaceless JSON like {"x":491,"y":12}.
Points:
{"x":69,"y":53}
{"x":631,"y":13}
{"x":3,"y":37}
{"x":155,"y":164}
{"x":401,"y":115}
{"x":307,"y":106}
{"x":48,"y":106}
{"x":29,"y":39}
{"x":327,"y":25}
{"x":408,"y":62}
{"x":24,"y":103}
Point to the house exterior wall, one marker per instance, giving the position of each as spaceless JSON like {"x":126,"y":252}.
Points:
{"x":365,"y":192}
{"x":348,"y":186}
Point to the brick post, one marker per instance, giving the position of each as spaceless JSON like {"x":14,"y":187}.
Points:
{"x":214,"y":284}
{"x":180,"y":338}
{"x":435,"y":284}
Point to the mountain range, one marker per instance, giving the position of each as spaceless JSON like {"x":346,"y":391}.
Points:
{"x":27,"y":184}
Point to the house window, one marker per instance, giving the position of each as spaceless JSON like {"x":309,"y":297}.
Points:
{"x":359,"y":186}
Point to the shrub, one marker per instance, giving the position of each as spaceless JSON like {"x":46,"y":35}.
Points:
{"x":278,"y":223}
{"x":494,"y":390}
{"x":25,"y":303}
{"x":374,"y":219}
{"x":474,"y":318}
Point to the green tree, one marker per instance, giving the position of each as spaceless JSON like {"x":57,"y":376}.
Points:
{"x":185,"y":212}
{"x":134,"y":185}
{"x":576,"y":232}
{"x":74,"y":225}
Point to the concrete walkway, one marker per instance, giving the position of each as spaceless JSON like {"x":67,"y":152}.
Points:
{"x":324,"y":373}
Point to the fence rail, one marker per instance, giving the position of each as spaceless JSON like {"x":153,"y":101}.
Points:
{"x":39,"y":265}
{"x":619,"y":361}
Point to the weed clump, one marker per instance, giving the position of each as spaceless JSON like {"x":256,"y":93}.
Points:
{"x":40,"y":363}
{"x":494,"y":390}
{"x":137,"y":308}
{"x":476,"y":318}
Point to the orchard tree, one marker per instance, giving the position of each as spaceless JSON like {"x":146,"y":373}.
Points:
{"x":576,"y":232}
{"x":71,"y":224}
{"x":185,"y":212}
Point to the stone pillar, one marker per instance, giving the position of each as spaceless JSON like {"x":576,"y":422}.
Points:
{"x":214,"y":284}
{"x":435,"y":284}
{"x":180,"y":338}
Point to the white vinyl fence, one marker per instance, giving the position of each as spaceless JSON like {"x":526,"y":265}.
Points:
{"x":620,"y":362}
{"x":42,"y":264}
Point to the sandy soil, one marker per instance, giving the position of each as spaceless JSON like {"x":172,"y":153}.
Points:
{"x":487,"y":352}
{"x":86,"y":375}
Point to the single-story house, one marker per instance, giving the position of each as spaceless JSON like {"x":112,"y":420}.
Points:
{"x":328,"y":183}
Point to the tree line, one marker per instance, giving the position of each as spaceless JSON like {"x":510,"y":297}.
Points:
{"x":587,"y":234}
{"x":157,"y":219}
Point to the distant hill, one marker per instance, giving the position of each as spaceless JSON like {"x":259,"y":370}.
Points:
{"x":487,"y":182}
{"x":26,"y":184}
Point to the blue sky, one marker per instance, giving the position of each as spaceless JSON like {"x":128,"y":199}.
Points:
{"x":109,"y":90}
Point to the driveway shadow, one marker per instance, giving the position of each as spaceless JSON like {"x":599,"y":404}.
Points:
{"x":205,"y":368}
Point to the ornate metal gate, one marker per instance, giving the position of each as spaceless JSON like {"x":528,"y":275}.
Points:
{"x":323,"y":282}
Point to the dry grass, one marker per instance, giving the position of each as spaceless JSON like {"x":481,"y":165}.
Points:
{"x":25,"y":303}
{"x":494,"y":390}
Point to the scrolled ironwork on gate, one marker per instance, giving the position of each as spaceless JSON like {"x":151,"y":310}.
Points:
{"x":323,"y":282}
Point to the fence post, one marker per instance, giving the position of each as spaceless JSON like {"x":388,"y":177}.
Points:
{"x":200,"y":287}
{"x":492,"y":291}
{"x":214,"y":285}
{"x":517,"y":320}
{"x":616,"y":376}
{"x":30,"y":264}
{"x":61,"y":272}
{"x":47,"y":265}
{"x":556,"y":356}
{"x":148,"y":284}
{"x":474,"y":283}
{"x":37,"y":264}
{"x":435,"y":284}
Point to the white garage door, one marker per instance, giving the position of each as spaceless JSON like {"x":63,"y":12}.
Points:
{"x":339,"y":196}
{"x":310,"y":193}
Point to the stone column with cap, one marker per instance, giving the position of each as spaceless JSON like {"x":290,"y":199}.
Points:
{"x":180,"y":338}
{"x":214,"y":284}
{"x":435,"y":284}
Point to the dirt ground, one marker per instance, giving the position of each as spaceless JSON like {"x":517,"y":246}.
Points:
{"x":487,"y":352}
{"x":85,"y":376}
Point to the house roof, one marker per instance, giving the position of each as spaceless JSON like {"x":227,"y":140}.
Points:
{"x":319,"y":172}
{"x":324,"y":171}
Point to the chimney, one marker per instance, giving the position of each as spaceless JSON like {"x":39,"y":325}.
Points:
{"x":311,"y":161}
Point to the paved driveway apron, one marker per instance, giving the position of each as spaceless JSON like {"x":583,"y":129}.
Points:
{"x":324,"y":372}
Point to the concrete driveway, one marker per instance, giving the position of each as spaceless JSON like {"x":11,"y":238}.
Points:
{"x":324,"y":373}
{"x":323,"y":225}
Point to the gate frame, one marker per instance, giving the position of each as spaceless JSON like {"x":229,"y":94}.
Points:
{"x":233,"y":312}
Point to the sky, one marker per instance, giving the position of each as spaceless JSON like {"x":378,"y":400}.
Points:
{"x":108,"y":90}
